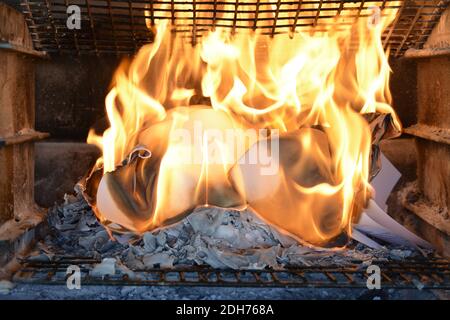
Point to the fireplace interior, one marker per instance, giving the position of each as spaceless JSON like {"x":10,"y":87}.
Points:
{"x":54,"y":78}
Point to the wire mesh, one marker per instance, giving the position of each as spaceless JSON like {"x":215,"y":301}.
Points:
{"x":408,"y":274}
{"x":123,"y":26}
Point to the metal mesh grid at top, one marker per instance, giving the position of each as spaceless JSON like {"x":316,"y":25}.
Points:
{"x":123,"y":26}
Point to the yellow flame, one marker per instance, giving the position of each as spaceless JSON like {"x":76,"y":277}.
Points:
{"x":325,"y":77}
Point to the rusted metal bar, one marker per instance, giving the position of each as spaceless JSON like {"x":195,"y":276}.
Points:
{"x":236,"y":6}
{"x":152,"y":13}
{"x":428,"y":197}
{"x":16,"y":114}
{"x":133,"y":33}
{"x":341,"y":7}
{"x":319,"y":7}
{"x":393,"y":25}
{"x":4,"y":45}
{"x":246,"y":5}
{"x":412,"y":199}
{"x":361,"y":6}
{"x":326,"y":13}
{"x":172,"y":10}
{"x":29,"y":136}
{"x":297,"y":13}
{"x":204,"y":15}
{"x":31,"y":23}
{"x":214,"y":15}
{"x":255,"y":22}
{"x":406,"y":36}
{"x":194,"y":21}
{"x":275,"y":18}
{"x":440,"y":135}
{"x":426,"y":53}
{"x":435,"y":15}
{"x":52,"y":22}
{"x":395,"y":275}
{"x":240,"y":20}
{"x":74,"y":32}
{"x":92,"y":25}
{"x":111,"y":20}
{"x":438,"y":40}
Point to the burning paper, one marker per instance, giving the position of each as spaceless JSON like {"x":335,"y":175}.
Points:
{"x":321,"y":106}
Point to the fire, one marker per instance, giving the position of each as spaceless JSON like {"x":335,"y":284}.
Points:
{"x":307,"y":88}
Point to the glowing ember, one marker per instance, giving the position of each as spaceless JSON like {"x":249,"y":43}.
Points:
{"x":294,"y":100}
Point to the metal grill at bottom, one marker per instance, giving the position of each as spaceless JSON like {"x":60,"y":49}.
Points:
{"x":407,"y":274}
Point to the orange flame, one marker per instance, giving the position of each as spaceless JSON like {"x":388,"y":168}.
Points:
{"x":247,"y":80}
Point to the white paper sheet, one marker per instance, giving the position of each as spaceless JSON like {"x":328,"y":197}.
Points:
{"x":384,"y":182}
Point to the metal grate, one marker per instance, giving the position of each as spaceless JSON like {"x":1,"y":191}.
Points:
{"x":121,"y":26}
{"x":421,"y":274}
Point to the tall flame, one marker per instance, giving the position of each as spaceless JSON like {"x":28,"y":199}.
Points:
{"x":322,"y":78}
